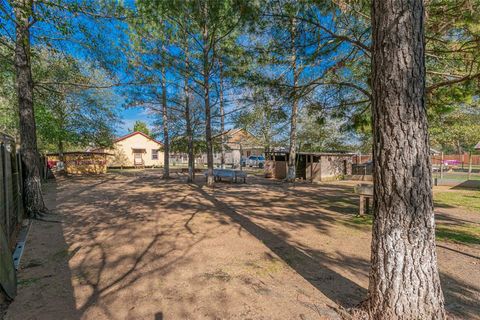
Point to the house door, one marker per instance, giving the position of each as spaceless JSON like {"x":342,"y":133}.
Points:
{"x":137,"y":159}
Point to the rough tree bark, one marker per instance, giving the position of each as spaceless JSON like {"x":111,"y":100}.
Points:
{"x":33,"y":197}
{"x":166,"y":141}
{"x":291,"y":172}
{"x":404,"y":280}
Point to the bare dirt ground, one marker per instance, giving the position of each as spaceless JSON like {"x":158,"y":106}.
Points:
{"x":137,"y":247}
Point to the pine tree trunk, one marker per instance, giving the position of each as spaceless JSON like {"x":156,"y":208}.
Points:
{"x":206,"y":91}
{"x":404,"y":280}
{"x":208,"y":128}
{"x":166,"y":142}
{"x":188,"y":120}
{"x":191,"y":154}
{"x":33,"y":197}
{"x":222,"y":113}
{"x":291,"y":172}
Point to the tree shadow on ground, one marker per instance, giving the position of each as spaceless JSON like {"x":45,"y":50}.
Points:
{"x":461,"y":299}
{"x":125,"y":209}
{"x":45,"y":276}
{"x":468,"y":185}
{"x":309,"y":264}
{"x":313,"y":208}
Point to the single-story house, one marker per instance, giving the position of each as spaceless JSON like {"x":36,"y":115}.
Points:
{"x":239,"y":143}
{"x":136,"y":149}
{"x":310,"y":166}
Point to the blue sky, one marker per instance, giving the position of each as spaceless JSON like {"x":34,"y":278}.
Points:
{"x":110,"y":38}
{"x":130,"y":115}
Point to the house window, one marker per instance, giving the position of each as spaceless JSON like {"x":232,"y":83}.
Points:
{"x":154,"y":154}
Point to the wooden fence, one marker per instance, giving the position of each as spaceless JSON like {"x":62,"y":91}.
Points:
{"x":461,"y":160}
{"x":11,"y":201}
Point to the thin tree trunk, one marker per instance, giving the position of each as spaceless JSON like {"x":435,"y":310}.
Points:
{"x":222,"y":113}
{"x":404,"y":280}
{"x":166,"y":142}
{"x":61,"y":156}
{"x":208,"y":127}
{"x":291,"y":172}
{"x":33,"y":197}
{"x":188,"y":120}
{"x":206,"y":90}
{"x":191,"y":154}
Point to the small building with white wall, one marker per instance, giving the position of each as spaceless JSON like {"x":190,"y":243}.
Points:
{"x":136,"y":149}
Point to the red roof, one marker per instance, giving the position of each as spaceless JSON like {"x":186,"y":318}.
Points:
{"x":134,"y":133}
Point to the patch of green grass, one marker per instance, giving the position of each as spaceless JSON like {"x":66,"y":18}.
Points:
{"x":469,"y":199}
{"x":366,"y":220}
{"x":465,"y":234}
{"x":358,"y":223}
{"x":460,"y":176}
{"x":27,"y":282}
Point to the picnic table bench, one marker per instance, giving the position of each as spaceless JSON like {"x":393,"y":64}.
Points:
{"x":366,"y":193}
{"x":233,"y":175}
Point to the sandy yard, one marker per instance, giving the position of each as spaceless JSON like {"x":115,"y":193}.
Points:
{"x":138,"y":247}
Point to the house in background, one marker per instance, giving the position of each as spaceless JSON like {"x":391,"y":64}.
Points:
{"x":239,"y":143}
{"x":136,"y":150}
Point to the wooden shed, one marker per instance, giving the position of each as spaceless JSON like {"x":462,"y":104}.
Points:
{"x":310,"y":166}
{"x":80,"y":162}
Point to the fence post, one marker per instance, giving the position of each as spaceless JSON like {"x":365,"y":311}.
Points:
{"x":441,"y":166}
{"x":469,"y":165}
{"x":3,"y":208}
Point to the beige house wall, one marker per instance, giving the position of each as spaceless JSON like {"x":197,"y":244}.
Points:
{"x":123,"y":151}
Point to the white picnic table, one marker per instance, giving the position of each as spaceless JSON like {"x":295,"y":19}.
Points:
{"x":233,"y":175}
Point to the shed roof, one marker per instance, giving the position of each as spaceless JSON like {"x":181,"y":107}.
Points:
{"x":79,"y":152}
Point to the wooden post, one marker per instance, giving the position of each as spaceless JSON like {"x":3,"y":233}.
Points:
{"x":241,"y":152}
{"x":469,"y":165}
{"x":311,"y":167}
{"x":441,"y":166}
{"x":361,"y":208}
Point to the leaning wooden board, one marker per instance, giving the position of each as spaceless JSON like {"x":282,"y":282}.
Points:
{"x":8,"y":278}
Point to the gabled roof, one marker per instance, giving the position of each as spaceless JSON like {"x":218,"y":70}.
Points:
{"x":135,"y":133}
{"x":232,"y":135}
{"x":477,"y":147}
